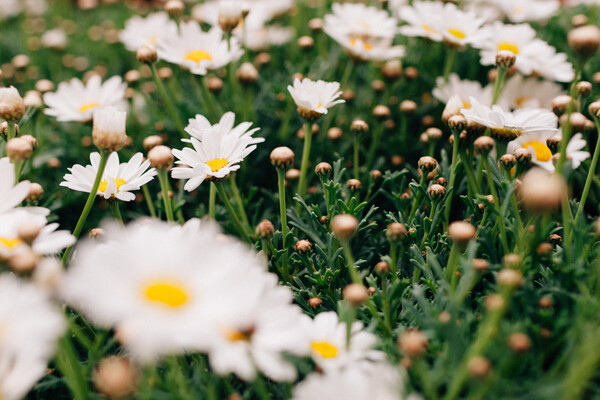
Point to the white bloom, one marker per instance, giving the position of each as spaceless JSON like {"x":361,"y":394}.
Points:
{"x":258,"y":38}
{"x":366,"y":48}
{"x":378,"y":381}
{"x":463,"y":88}
{"x":31,"y":325}
{"x":259,"y":10}
{"x":423,"y":18}
{"x":49,"y":241}
{"x":11,"y":195}
{"x":527,"y":10}
{"x":198,"y":51}
{"x":12,"y":106}
{"x":55,"y":39}
{"x":314,"y":98}
{"x":199,"y":125}
{"x":118,"y":180}
{"x":574,"y":154}
{"x":329,"y":344}
{"x":74,"y":101}
{"x":535,"y":142}
{"x":356,"y":20}
{"x":531,"y":92}
{"x":108,"y":130}
{"x":509,"y":125}
{"x":549,"y":64}
{"x":147,"y":31}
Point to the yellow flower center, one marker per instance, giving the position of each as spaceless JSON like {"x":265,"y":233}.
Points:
{"x":429,"y":29}
{"x":10,"y":242}
{"x":542,"y":152}
{"x":366,"y":45}
{"x":236,"y":335}
{"x":457,"y":33}
{"x":521,"y":100}
{"x":466,"y":104}
{"x":87,"y":107}
{"x":216,"y":164}
{"x":104,"y":184}
{"x":198,"y":55}
{"x":325,"y":349}
{"x":508,"y":46}
{"x":167,"y":293}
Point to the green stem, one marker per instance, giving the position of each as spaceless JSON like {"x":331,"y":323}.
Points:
{"x":170,"y":108}
{"x":68,"y":364}
{"x":283,"y":218}
{"x":498,"y":84}
{"x":240,"y":203}
{"x":163,"y":179}
{"x":355,"y":163}
{"x":453,"y":166}
{"x":417,"y":199}
{"x":305,"y":159}
{"x":149,"y":201}
{"x":350,"y":262}
{"x":590,"y":175}
{"x":499,"y":216}
{"x":212,"y":197}
{"x":225,"y":199}
{"x":114,"y":207}
{"x":88,"y":204}
{"x":566,"y":131}
{"x":449,"y":65}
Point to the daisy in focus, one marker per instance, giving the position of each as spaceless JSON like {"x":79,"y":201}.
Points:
{"x":147,"y":31}
{"x":199,"y":51}
{"x":31,"y":327}
{"x":118,"y":179}
{"x":199,"y":125}
{"x":74,"y":101}
{"x":314,"y":98}
{"x":535,"y":142}
{"x":11,"y":192}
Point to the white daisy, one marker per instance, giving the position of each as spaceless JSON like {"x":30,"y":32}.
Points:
{"x":520,"y":92}
{"x":74,"y":101}
{"x":329,"y":344}
{"x":11,"y":194}
{"x":118,"y":180}
{"x":358,"y":21}
{"x":259,"y":10}
{"x":198,"y":51}
{"x":367,"y":49}
{"x":31,"y":326}
{"x":527,"y":10}
{"x":49,"y":241}
{"x":509,"y":125}
{"x":423,"y":18}
{"x":314,"y":98}
{"x":147,"y":31}
{"x":258,"y":38}
{"x":463,"y":88}
{"x":377,"y":381}
{"x":574,"y":154}
{"x":549,"y":64}
{"x":199,"y":125}
{"x":541,"y":155}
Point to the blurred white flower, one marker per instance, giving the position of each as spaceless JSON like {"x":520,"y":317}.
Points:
{"x":520,"y":92}
{"x":55,"y":39}
{"x":11,"y":192}
{"x":356,"y":20}
{"x":535,"y":142}
{"x":527,"y":10}
{"x":463,"y":88}
{"x":147,"y":31}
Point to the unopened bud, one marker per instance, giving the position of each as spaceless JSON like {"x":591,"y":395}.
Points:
{"x":115,"y":377}
{"x":247,"y":73}
{"x":505,"y":59}
{"x":560,"y":104}
{"x":461,"y":232}
{"x":174,"y":8}
{"x":392,"y":69}
{"x":522,"y":155}
{"x":36,"y":191}
{"x":542,"y":192}
{"x":395,"y":231}
{"x":265,"y":229}
{"x":96,"y":233}
{"x":24,"y":261}
{"x":355,"y":294}
{"x":230,"y":15}
{"x":457,"y":122}
{"x":18,"y":149}
{"x":510,"y":278}
{"x":519,"y":342}
{"x":354,"y":184}
{"x":147,"y":54}
{"x":427,"y":164}
{"x":323,"y":169}
{"x":381,"y":111}
{"x":413,"y":343}
{"x":508,"y":161}
{"x":434,"y":133}
{"x":152,"y":141}
{"x":583,"y":88}
{"x":303,"y":246}
{"x":306,"y":42}
{"x":160,"y":157}
{"x":314,"y":302}
{"x":12,"y":106}
{"x":436,"y":191}
{"x":344,"y":226}
{"x":584,"y":40}
{"x":359,"y":126}
{"x":484,"y":144}
{"x":408,"y":107}
{"x":479,"y":367}
{"x":215,"y":84}
{"x":282,"y":157}
{"x":382,"y":267}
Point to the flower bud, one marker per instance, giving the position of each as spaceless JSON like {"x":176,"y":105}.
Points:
{"x":541,"y":192}
{"x":382,"y":267}
{"x":381,"y":112}
{"x":32,"y":98}
{"x":303,"y":246}
{"x":395,"y":231}
{"x":522,"y":155}
{"x":408,"y":107}
{"x":215,"y":84}
{"x":479,"y":367}
{"x":479,"y":264}
{"x":314,"y":302}
{"x":519,"y":342}
{"x":174,"y":8}
{"x":510,"y":278}
{"x":505,"y":59}
{"x":553,"y":143}
{"x":306,"y":43}
{"x":344,"y":226}
{"x":160,"y":157}
{"x":436,"y":191}
{"x":354,"y":185}
{"x":247,"y":73}
{"x":579,"y":20}
{"x":265,"y":229}
{"x":108,"y":130}
{"x":323,"y":169}
{"x":334,"y":133}
{"x":19,"y":149}
{"x":230,"y":15}
{"x":24,"y":261}
{"x":427,"y":164}
{"x":461,"y":232}
{"x":316,"y":24}
{"x":434,"y":133}
{"x":457,"y":122}
{"x":36,"y":191}
{"x":152,"y":141}
{"x":546,"y":302}
{"x":512,"y":261}
{"x":484,"y":144}
{"x":392,"y":70}
{"x":413,"y":343}
{"x":576,"y":120}
{"x":594,"y":109}
{"x":292,"y":174}
{"x":147,"y":54}
{"x":584,"y":40}
{"x":583,"y":88}
{"x":282,"y":157}
{"x":560,"y":104}
{"x":358,"y":126}
{"x":493,"y":302}
{"x":115,"y":377}
{"x":508,"y":161}
{"x":355,"y":294}
{"x":375,"y":174}
{"x":12,"y":106}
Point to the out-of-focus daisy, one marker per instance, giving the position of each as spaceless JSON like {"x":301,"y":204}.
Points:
{"x":527,"y":10}
{"x":55,"y":39}
{"x":509,"y":125}
{"x":463,"y":88}
{"x":198,"y":51}
{"x":329,"y":344}
{"x":48,"y":240}
{"x":423,"y":19}
{"x":520,"y":92}
{"x":367,"y":49}
{"x":549,"y":64}
{"x":356,"y":20}
{"x":118,"y":180}
{"x":147,"y":31}
{"x":574,"y":153}
{"x":259,"y":10}
{"x":377,"y":381}
{"x":74,"y":101}
{"x":535,"y":142}
{"x":314,"y":98}
{"x":31,"y":326}
{"x":216,"y":156}
{"x":11,"y":194}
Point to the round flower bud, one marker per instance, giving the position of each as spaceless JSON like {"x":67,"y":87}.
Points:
{"x":19,"y":149}
{"x":174,"y":8}
{"x":395,"y":231}
{"x":24,"y":262}
{"x":493,"y":302}
{"x":553,"y":143}
{"x":594,"y":109}
{"x":484,"y":144}
{"x":556,"y":239}
{"x":457,"y":122}
{"x":461,"y":232}
{"x":378,"y":85}
{"x":36,"y":191}
{"x":508,"y":161}
{"x":576,"y":120}
{"x":512,"y":261}
{"x":348,"y":95}
{"x":115,"y":377}
{"x":436,"y":191}
{"x":160,"y":157}
{"x":314,"y":302}
{"x":434,"y":133}
{"x":344,"y":226}
{"x":282,"y":157}
{"x":579,"y":20}
{"x":560,"y":104}
{"x":303,"y":246}
{"x":522,"y":155}
{"x":479,"y":264}
{"x":375,"y":174}
{"x":230,"y":15}
{"x":479,"y":367}
{"x":292,"y":174}
{"x":306,"y":42}
{"x":544,"y":249}
{"x":247,"y":73}
{"x":315,"y":24}
{"x":380,"y":111}
{"x":411,"y":73}
{"x":519,"y":342}
{"x":392,"y":69}
{"x":354,"y":185}
{"x":427,"y":164}
{"x":29,"y":231}
{"x":215,"y":84}
{"x":546,"y":302}
{"x":44,"y":85}
{"x":147,"y":54}
{"x":541,"y":192}
{"x":424,"y":138}
{"x":152,"y":141}
{"x":32,"y":98}
{"x":12,"y":106}
{"x":408,"y":107}
{"x":323,"y":169}
{"x":265,"y":229}
{"x":382,"y":267}
{"x":505,"y":59}
{"x":108,"y":130}
{"x":334,"y":133}
{"x":359,"y":126}
{"x":584,"y":40}
{"x":510,"y":278}
{"x":583,"y":88}
{"x":355,"y":294}
{"x":413,"y":343}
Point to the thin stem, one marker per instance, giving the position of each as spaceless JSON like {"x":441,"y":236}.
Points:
{"x":350,"y":262}
{"x":88,"y":204}
{"x":114,"y":208}
{"x":149,"y":201}
{"x":212,"y":198}
{"x":170,"y":108}
{"x":449,"y":65}
{"x":417,"y":199}
{"x":590,"y":175}
{"x":499,"y":216}
{"x":240,"y":203}
{"x":498,"y":84}
{"x":225,"y":199}
{"x":163,"y":179}
{"x":283,"y":218}
{"x":356,"y":156}
{"x":453,"y":166}
{"x":305,"y":159}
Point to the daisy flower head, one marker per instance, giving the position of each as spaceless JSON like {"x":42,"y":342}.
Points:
{"x":367,"y":48}
{"x":147,"y":31}
{"x":162,"y":286}
{"x":463,"y":88}
{"x":520,"y":92}
{"x":509,"y":125}
{"x":535,"y":142}
{"x":314,"y":98}
{"x":47,"y":241}
{"x":199,"y":51}
{"x":547,"y":63}
{"x":12,"y":106}
{"x":357,"y":20}
{"x":527,"y":10}
{"x":575,"y":155}
{"x":11,"y":192}
{"x":108,"y":130}
{"x":118,"y":180}
{"x":31,"y":326}
{"x":199,"y":125}
{"x":423,"y":18}
{"x":74,"y":101}
{"x":329,"y":344}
